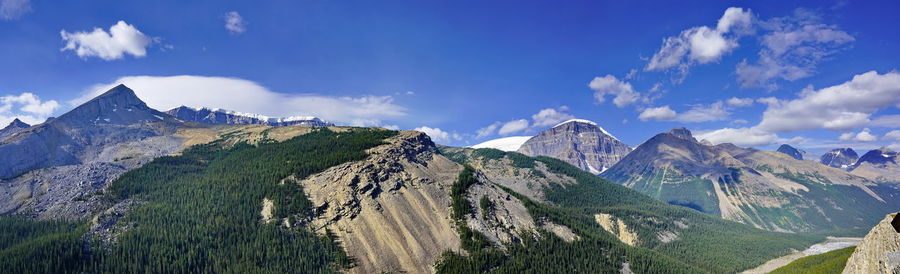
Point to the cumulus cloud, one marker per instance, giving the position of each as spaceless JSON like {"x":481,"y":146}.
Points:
{"x":893,"y":135}
{"x":513,"y":127}
{"x":609,"y":85}
{"x":791,"y":50}
{"x":745,"y":136}
{"x":698,"y":113}
{"x":841,"y":107}
{"x":168,"y":92}
{"x":892,"y":121}
{"x":27,"y":106}
{"x":543,"y":118}
{"x":234,"y":23}
{"x":702,"y":44}
{"x":863,"y":136}
{"x":13,"y":9}
{"x":487,"y":131}
{"x":121,"y":39}
{"x":438,"y":135}
{"x":663,"y":113}
{"x":740,"y":102}
{"x":550,"y":117}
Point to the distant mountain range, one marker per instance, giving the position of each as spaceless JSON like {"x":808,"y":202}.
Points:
{"x":92,"y":192}
{"x":791,"y":151}
{"x":221,"y":116}
{"x":840,"y":158}
{"x":766,"y":189}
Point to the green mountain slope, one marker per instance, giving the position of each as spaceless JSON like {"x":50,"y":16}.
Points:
{"x":664,"y":232}
{"x":831,"y":262}
{"x":200,"y":212}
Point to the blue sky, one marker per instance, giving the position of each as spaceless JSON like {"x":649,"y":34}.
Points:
{"x":461,"y":67}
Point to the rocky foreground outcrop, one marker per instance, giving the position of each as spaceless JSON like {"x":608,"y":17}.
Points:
{"x":391,"y":211}
{"x":879,"y":251}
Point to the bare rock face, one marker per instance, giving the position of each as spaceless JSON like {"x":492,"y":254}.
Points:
{"x":81,"y":134}
{"x":879,"y":251}
{"x":842,"y":158}
{"x":391,"y":211}
{"x":581,"y":143}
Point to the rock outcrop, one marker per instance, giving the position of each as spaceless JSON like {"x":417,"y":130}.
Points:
{"x":581,"y":143}
{"x":391,"y":211}
{"x":879,"y":251}
{"x":843,"y":158}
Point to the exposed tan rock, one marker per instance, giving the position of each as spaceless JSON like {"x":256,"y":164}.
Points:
{"x":879,"y":251}
{"x":391,"y":211}
{"x":267,"y":207}
{"x":617,"y":227}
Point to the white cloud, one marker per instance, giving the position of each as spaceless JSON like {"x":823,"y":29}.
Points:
{"x":740,"y":102}
{"x":234,"y":23}
{"x":663,"y":113}
{"x":698,"y":113}
{"x":608,"y":85}
{"x":549,"y":117}
{"x":840,"y":107}
{"x":739,"y":136}
{"x":892,"y":121}
{"x":168,"y":92}
{"x":28,"y":107}
{"x":438,"y":135}
{"x":863,"y":136}
{"x":702,"y":44}
{"x":391,"y":127}
{"x":791,"y":50}
{"x":704,"y":113}
{"x":122,"y":38}
{"x":13,"y":9}
{"x":513,"y":127}
{"x":487,"y":131}
{"x":893,"y":135}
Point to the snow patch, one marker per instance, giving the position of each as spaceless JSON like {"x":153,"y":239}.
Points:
{"x":587,"y":122}
{"x":512,"y":143}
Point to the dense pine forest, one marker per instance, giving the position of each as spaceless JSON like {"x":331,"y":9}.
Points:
{"x":831,"y":262}
{"x":710,"y":244}
{"x":200,"y":212}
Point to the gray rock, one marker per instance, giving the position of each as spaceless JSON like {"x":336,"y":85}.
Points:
{"x":578,"y":142}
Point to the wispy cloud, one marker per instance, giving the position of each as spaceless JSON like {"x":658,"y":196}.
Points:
{"x":166,"y":92}
{"x":234,"y":23}
{"x":13,"y":9}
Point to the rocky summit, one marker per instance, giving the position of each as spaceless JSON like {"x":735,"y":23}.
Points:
{"x":879,"y":251}
{"x":581,"y":143}
{"x":766,"y":189}
{"x":14,"y":127}
{"x":881,"y":165}
{"x":840,"y":158}
{"x":791,"y":151}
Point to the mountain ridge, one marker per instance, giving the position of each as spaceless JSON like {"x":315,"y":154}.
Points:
{"x":579,"y":142}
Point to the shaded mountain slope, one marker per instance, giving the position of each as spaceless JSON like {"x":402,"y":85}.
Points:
{"x":766,"y":189}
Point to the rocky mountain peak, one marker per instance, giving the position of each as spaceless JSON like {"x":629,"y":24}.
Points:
{"x":119,"y":105}
{"x":879,"y":251}
{"x":791,"y":151}
{"x":839,"y":158}
{"x":878,"y":157}
{"x":682,"y":133}
{"x":16,"y":124}
{"x":581,"y":143}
